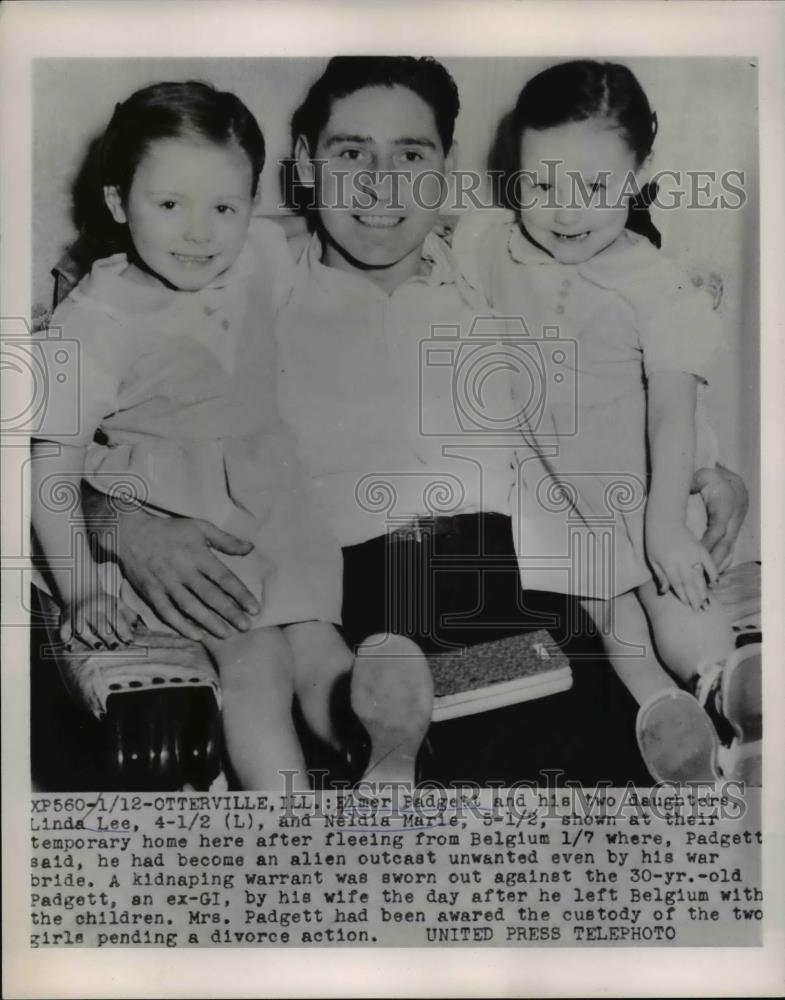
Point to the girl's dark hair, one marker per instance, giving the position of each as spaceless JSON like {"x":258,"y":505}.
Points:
{"x":161,"y":111}
{"x":573,"y":92}
{"x":346,"y":74}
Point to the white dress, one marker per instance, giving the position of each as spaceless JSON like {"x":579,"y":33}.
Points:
{"x":181,"y":387}
{"x":597,"y":330}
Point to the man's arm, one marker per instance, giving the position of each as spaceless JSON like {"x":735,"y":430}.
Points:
{"x":170,"y":563}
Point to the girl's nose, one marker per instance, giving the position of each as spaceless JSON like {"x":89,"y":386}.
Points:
{"x":567,"y":215}
{"x":198,"y":228}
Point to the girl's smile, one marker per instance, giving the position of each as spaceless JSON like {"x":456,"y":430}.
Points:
{"x":576,"y":180}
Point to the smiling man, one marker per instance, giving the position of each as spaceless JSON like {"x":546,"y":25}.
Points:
{"x":378,"y":163}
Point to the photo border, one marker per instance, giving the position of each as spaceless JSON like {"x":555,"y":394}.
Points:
{"x":609,"y":29}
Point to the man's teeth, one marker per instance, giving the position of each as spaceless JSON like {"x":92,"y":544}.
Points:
{"x":565,"y":236}
{"x":379,"y":221}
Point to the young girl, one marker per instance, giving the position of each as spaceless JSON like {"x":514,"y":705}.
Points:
{"x":178,"y":369}
{"x":615,"y":440}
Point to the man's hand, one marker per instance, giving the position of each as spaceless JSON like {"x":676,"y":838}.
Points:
{"x":726,"y":499}
{"x":170,"y":563}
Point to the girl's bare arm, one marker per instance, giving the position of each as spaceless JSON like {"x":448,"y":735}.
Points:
{"x":677,"y":559}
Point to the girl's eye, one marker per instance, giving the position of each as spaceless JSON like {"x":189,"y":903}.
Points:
{"x":543,"y":186}
{"x":168,"y":204}
{"x":597,"y":186}
{"x":223,"y":209}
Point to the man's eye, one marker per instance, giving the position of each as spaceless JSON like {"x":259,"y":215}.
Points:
{"x":350,"y":154}
{"x":543,"y":186}
{"x":597,"y":186}
{"x":412,"y":156}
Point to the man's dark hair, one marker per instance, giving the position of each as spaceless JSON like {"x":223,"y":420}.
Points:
{"x":344,"y":75}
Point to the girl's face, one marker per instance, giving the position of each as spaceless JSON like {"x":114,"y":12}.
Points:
{"x":187,"y":210}
{"x":575,"y":186}
{"x":380,"y":180}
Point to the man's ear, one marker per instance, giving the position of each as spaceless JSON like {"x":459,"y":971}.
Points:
{"x":115,"y":204}
{"x":302,"y":156}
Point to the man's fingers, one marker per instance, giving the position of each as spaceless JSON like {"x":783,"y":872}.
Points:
{"x":167,"y":612}
{"x":719,"y":547}
{"x":199,"y":612}
{"x":725,"y":561}
{"x":714,"y":535}
{"x":232,"y":585}
{"x":214,"y":598}
{"x":223,"y":541}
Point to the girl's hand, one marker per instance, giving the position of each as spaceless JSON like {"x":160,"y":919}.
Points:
{"x":98,"y":620}
{"x":679,"y":562}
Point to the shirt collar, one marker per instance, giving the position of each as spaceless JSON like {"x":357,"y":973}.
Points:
{"x":440,"y":267}
{"x":607,"y":270}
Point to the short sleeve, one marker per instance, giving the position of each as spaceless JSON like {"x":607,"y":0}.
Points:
{"x":79,"y":356}
{"x":683,"y":333}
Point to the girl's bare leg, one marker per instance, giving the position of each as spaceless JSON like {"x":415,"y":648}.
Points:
{"x":676,"y":738}
{"x":256,"y":671}
{"x":699,"y":648}
{"x":687,"y":641}
{"x":628,"y":645}
{"x":321,"y":660}
{"x":392,"y":695}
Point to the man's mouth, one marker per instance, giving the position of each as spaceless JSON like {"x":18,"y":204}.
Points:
{"x":571,"y":237}
{"x":379,"y":221}
{"x":193,"y":260}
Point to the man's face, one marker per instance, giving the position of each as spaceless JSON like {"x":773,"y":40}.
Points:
{"x":380,"y":182}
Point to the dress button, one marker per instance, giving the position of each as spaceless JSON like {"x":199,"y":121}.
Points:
{"x":560,"y":308}
{"x":225,"y":324}
{"x":566,"y":283}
